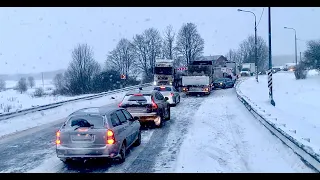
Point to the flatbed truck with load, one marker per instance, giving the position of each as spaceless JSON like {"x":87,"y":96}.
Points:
{"x":198,"y":79}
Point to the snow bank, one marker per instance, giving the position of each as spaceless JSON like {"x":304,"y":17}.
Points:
{"x":21,"y":123}
{"x":297,"y":105}
{"x":11,"y":100}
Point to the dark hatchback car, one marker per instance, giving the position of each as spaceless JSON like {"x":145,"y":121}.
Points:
{"x":149,"y":105}
{"x":97,"y":133}
{"x":223,"y":83}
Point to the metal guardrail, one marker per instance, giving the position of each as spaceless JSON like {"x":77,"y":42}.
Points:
{"x":57,"y":104}
{"x":307,"y":156}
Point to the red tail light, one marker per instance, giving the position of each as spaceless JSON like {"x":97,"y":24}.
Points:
{"x":171,"y":94}
{"x":154,"y":105}
{"x":120,"y":104}
{"x":138,"y":95}
{"x":110,"y":137}
{"x":58,"y":137}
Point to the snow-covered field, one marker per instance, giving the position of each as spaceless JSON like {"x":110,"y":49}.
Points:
{"x":11,"y":100}
{"x":47,"y":83}
{"x":24,"y":122}
{"x":297,"y":104}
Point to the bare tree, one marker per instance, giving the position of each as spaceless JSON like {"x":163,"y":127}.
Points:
{"x":189,"y":42}
{"x":2,"y":84}
{"x":312,"y":54}
{"x":59,"y":82}
{"x":168,"y":40}
{"x":31,"y":81}
{"x":148,"y":48}
{"x":234,"y":55}
{"x":22,"y":85}
{"x":122,"y":57}
{"x":82,"y":70}
{"x":247,"y":52}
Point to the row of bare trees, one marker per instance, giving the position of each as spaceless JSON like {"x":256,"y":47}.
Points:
{"x":130,"y":57}
{"x":246,"y":53}
{"x":140,"y":53}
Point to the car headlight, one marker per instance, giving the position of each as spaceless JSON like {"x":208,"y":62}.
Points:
{"x":154,"y":83}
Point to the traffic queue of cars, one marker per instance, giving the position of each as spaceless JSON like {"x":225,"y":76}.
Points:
{"x":99,"y":132}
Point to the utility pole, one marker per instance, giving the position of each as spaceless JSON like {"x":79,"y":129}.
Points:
{"x":270,"y":61}
{"x":300,"y":57}
{"x":42,"y":80}
{"x":295,"y":43}
{"x":255,"y":41}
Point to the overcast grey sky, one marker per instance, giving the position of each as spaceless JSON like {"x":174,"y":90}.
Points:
{"x":41,"y":39}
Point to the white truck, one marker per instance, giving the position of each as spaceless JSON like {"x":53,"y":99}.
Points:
{"x":248,"y":69}
{"x":164,"y":72}
{"x":196,"y":85}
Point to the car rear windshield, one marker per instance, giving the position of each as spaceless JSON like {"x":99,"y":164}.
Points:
{"x":86,"y":121}
{"x":219,"y":80}
{"x":162,"y":88}
{"x":137,"y":99}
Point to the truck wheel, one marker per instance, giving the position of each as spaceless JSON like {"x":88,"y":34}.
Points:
{"x":169,"y":112}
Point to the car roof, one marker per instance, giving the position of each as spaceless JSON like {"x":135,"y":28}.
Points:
{"x":141,"y":92}
{"x":95,"y":111}
{"x":164,"y":86}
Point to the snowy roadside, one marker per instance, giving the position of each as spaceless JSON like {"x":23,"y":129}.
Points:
{"x":13,"y":101}
{"x":20,"y":123}
{"x":225,"y":137}
{"x":297,"y":106}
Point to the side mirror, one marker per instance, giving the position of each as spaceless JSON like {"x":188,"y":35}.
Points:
{"x":136,"y":118}
{"x":166,"y":98}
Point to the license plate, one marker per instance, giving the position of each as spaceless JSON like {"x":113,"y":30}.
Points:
{"x":82,"y":137}
{"x":195,"y":89}
{"x":136,"y":109}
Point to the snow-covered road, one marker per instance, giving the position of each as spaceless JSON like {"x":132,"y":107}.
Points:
{"x":205,"y":134}
{"x":225,"y":137}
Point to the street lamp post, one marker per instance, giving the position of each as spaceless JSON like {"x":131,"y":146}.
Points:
{"x":255,"y":40}
{"x":295,"y":43}
{"x":270,"y":60}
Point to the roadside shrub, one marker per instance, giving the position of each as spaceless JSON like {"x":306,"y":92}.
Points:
{"x":39,"y":92}
{"x":300,"y":71}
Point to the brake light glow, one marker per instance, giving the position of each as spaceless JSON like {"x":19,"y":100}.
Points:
{"x":162,"y":87}
{"x":138,"y":95}
{"x":110,"y":137}
{"x":120,"y":104}
{"x":171,"y":94}
{"x":58,"y":142}
{"x":154,"y":105}
{"x":58,"y":134}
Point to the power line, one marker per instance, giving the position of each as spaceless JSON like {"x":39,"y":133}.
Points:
{"x":260,"y":17}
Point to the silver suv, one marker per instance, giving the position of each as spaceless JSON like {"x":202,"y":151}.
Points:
{"x":97,"y":133}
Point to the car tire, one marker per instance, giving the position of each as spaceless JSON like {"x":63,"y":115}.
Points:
{"x":138,"y":141}
{"x":65,"y":161}
{"x":161,"y":122}
{"x":122,"y":154}
{"x":169,"y":112}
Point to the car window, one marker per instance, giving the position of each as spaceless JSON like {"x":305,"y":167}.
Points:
{"x":162,"y":88}
{"x":86,"y":121}
{"x":115,"y":120}
{"x":160,"y":96}
{"x":127,"y":114}
{"x":136,"y":99}
{"x":121,"y":117}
